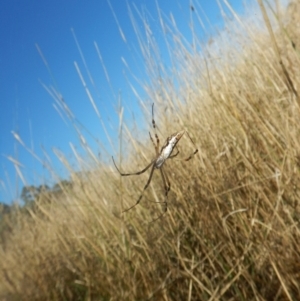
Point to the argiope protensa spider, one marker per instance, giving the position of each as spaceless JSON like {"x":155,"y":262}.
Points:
{"x":158,"y":162}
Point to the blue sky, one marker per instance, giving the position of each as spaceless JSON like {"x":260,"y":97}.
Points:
{"x":25,"y":106}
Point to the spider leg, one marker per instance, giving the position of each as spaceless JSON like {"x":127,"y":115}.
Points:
{"x":195,"y":151}
{"x":146,"y":186}
{"x":133,"y":173}
{"x":155,"y":133}
{"x":167,"y":187}
{"x":167,"y":180}
{"x":173,"y":156}
{"x":156,"y":146}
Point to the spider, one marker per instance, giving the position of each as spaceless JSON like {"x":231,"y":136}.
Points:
{"x":158,"y":162}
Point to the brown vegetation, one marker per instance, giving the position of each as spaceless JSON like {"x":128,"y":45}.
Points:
{"x":232,"y":227}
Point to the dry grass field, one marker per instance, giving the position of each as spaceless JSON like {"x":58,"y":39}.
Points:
{"x":231,"y":231}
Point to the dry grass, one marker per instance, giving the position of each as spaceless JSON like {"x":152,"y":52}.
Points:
{"x":232,"y":228}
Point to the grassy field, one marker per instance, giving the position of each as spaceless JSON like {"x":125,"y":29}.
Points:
{"x":231,"y":231}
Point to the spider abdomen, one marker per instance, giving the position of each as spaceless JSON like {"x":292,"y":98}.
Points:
{"x":160,"y":161}
{"x":167,"y":149}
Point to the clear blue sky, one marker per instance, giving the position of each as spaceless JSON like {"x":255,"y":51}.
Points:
{"x":25,"y":106}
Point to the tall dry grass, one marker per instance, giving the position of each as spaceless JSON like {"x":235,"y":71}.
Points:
{"x":232,"y":227}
